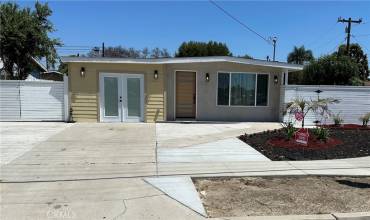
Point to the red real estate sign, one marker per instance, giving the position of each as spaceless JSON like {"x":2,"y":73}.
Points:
{"x":299,"y":116}
{"x":301,"y":136}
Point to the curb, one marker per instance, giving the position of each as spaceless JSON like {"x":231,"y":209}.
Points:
{"x":352,"y":216}
{"x":332,"y":216}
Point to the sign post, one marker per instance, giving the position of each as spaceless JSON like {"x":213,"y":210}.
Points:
{"x":301,"y":136}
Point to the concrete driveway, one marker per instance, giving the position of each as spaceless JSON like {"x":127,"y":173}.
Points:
{"x":91,"y":150}
{"x":16,"y":138}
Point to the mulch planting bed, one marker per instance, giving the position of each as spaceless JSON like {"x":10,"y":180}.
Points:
{"x":342,"y":143}
{"x":347,"y":127}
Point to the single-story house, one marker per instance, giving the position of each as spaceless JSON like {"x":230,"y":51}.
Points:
{"x":166,"y":89}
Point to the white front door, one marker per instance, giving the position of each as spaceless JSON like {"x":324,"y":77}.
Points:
{"x":121,"y":97}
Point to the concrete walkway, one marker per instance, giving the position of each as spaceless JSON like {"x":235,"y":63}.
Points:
{"x":180,"y":189}
{"x":231,"y":149}
{"x":176,"y":134}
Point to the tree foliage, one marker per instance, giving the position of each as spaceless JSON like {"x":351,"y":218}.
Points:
{"x":320,"y":106}
{"x":201,"y":49}
{"x":131,"y":52}
{"x":300,"y":55}
{"x":23,"y":35}
{"x":357,"y":55}
{"x":331,"y":70}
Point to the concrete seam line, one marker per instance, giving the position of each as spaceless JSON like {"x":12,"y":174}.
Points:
{"x":302,"y":170}
{"x":335,"y":217}
{"x":165,"y":194}
{"x":123,"y":212}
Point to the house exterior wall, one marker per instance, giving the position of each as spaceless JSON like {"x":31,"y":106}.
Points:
{"x":84,"y":91}
{"x":206,"y":100}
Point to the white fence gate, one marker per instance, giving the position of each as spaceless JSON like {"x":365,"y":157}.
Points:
{"x":33,"y":100}
{"x":354,"y":101}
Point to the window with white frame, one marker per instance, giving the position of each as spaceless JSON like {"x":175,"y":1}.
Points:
{"x":242,"y":89}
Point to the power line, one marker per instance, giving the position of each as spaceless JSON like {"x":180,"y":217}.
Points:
{"x":81,"y":49}
{"x":337,"y":46}
{"x":349,"y":22}
{"x":73,"y":46}
{"x":363,"y":45}
{"x":362,"y":35}
{"x":326,"y":42}
{"x":323,"y":34}
{"x":238,"y":21}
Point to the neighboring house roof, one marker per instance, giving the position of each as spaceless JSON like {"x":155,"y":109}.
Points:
{"x":288,"y":66}
{"x":39,"y":64}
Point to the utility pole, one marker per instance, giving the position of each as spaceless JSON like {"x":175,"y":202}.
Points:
{"x":349,"y":21}
{"x":273,"y":40}
{"x":102,"y":53}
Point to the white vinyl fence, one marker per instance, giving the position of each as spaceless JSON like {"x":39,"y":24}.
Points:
{"x":33,"y":100}
{"x":354,"y":101}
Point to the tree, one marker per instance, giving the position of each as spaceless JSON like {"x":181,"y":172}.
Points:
{"x":159,"y":53}
{"x":300,"y":55}
{"x":320,"y":106}
{"x":200,"y":49}
{"x":63,"y":67}
{"x":330,"y":70}
{"x":23,"y":35}
{"x":131,"y":52}
{"x":246,"y":56}
{"x":357,"y":55}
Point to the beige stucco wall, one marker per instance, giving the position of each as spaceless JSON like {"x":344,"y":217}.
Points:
{"x":84,"y":91}
{"x":206,"y":102}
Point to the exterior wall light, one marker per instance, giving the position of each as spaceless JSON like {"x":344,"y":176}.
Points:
{"x":155,"y":74}
{"x":276,"y":80}
{"x":82,"y":72}
{"x":207,"y":77}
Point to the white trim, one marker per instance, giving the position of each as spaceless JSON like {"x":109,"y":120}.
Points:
{"x":122,"y":106}
{"x":66,"y":98}
{"x":286,"y":74}
{"x":104,"y":118}
{"x":196,"y":92}
{"x":125,"y":116}
{"x":292,"y":67}
{"x":255,"y":94}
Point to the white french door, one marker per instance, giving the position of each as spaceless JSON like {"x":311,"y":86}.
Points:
{"x":121,"y":97}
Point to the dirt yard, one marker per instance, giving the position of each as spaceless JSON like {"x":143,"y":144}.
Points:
{"x":226,"y":197}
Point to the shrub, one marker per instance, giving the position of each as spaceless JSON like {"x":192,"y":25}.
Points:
{"x":289,"y":129}
{"x":337,"y":119}
{"x":321,"y":133}
{"x":365,"y":119}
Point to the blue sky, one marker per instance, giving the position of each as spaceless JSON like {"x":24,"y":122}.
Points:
{"x":167,"y":24}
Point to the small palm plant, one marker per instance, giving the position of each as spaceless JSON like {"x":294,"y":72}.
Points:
{"x":365,"y":119}
{"x":337,"y":119}
{"x":320,"y":105}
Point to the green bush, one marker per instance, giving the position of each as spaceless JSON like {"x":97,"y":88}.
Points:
{"x":337,"y":119}
{"x":289,"y":130}
{"x":321,"y":133}
{"x":365,"y":119}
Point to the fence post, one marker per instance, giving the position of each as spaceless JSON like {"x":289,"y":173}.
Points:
{"x":66,"y":98}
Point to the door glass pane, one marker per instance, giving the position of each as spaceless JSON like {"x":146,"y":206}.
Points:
{"x":223,"y":89}
{"x":111,"y":96}
{"x":262,"y":88}
{"x":243,"y":89}
{"x":133,"y":97}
